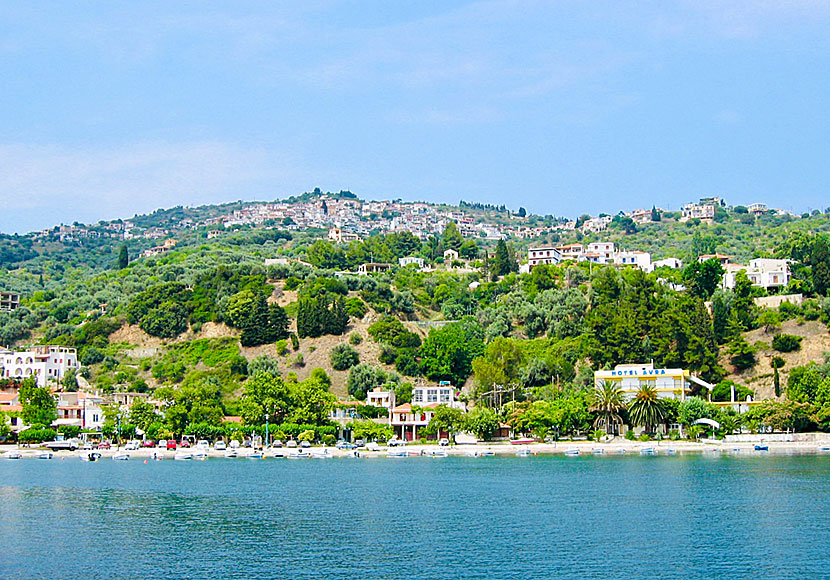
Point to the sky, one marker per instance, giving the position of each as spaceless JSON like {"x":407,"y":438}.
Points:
{"x":110,"y":108}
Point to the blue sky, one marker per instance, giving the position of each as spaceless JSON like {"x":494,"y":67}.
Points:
{"x":108,"y":109}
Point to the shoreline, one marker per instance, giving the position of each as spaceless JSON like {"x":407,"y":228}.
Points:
{"x":623,"y":447}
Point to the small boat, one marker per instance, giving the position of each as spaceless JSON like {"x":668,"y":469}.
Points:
{"x":523,"y":453}
{"x":298,"y":454}
{"x":648,"y":451}
{"x":156,"y":456}
{"x":762,"y":448}
{"x":231,"y":453}
{"x":598,"y":451}
{"x":620,"y":451}
{"x":12,"y":455}
{"x":824,"y":449}
{"x":438,"y":453}
{"x":44,"y":455}
{"x":278,"y":454}
{"x":199,"y":455}
{"x":488,"y":453}
{"x":525,"y":441}
{"x":572,"y":452}
{"x":414,"y":453}
{"x":90,"y":456}
{"x":183,"y":456}
{"x":396,"y":453}
{"x":121,"y":456}
{"x":671,"y":451}
{"x":255,"y":455}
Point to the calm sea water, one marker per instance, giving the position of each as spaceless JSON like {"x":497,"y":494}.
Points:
{"x":418,"y":518}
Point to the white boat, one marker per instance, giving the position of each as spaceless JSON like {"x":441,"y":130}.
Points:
{"x":183,"y":456}
{"x":321,"y":454}
{"x":255,"y":455}
{"x":824,"y":449}
{"x":199,"y":455}
{"x":44,"y":455}
{"x":121,"y":456}
{"x":572,"y":452}
{"x":298,"y":454}
{"x":89,"y":456}
{"x":648,"y":451}
{"x":671,"y":451}
{"x":397,"y":452}
{"x":231,"y":453}
{"x":12,"y":455}
{"x":523,"y":453}
{"x":438,"y":453}
{"x":620,"y":451}
{"x":597,"y":450}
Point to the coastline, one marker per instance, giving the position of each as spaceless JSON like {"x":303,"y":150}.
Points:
{"x":616,"y":448}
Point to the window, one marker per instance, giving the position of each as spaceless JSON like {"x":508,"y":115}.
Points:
{"x":418,"y":396}
{"x":445,"y":396}
{"x":432,"y":396}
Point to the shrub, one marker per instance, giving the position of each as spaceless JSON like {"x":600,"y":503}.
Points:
{"x":295,"y":342}
{"x":629,"y":435}
{"x":356,"y":308}
{"x":328,"y":439}
{"x":306,"y":435}
{"x":36,"y":435}
{"x":343,"y":357}
{"x":282,"y":347}
{"x":674,"y":435}
{"x":355,"y":338}
{"x":786,"y":342}
{"x":299,"y":361}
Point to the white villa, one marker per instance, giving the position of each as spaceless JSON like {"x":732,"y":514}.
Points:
{"x":762,"y":272}
{"x":46,"y":362}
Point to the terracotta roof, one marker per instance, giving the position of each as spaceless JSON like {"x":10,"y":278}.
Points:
{"x":405,"y":408}
{"x":232,"y":419}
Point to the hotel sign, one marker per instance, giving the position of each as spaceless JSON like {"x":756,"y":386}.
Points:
{"x":643,"y":373}
{"x":633,"y":373}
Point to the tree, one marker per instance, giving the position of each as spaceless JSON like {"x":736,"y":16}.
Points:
{"x":481,"y":422}
{"x":503,"y":261}
{"x":655,"y":215}
{"x":265,"y":395}
{"x":39,"y":406}
{"x":452,"y":239}
{"x":742,"y":354}
{"x":522,"y":212}
{"x":646,"y":409}
{"x":607,"y":402}
{"x":702,"y":279}
{"x":447,"y":353}
{"x":343,"y":357}
{"x":445,"y":419}
{"x":143,"y":414}
{"x":123,"y":257}
{"x":365,"y":377}
{"x":776,"y":363}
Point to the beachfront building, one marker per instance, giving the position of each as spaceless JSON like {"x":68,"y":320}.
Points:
{"x":378,"y":397}
{"x":669,"y":383}
{"x":408,"y":419}
{"x":84,"y":410}
{"x":543,"y":255}
{"x":46,"y":362}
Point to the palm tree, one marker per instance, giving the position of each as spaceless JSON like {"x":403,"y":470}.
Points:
{"x":646,"y":409}
{"x":607,"y":402}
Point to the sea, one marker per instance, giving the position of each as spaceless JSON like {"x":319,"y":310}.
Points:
{"x":702,"y":515}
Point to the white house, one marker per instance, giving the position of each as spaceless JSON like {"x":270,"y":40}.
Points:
{"x":80,"y":409}
{"x":701,"y":211}
{"x":450,"y":255}
{"x":46,"y":362}
{"x":411,"y":260}
{"x":571,"y":251}
{"x":377,"y":397}
{"x":673,"y":263}
{"x":636,"y":258}
{"x":9,"y":301}
{"x":543,"y":255}
{"x":762,"y":272}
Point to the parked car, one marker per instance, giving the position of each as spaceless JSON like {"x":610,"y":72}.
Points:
{"x":203,"y":443}
{"x":372,"y":446}
{"x":345,"y":445}
{"x":305,"y":444}
{"x":359,"y":442}
{"x":220,"y":446}
{"x":104,"y":445}
{"x":291,"y":443}
{"x":395,"y":442}
{"x":131,"y":446}
{"x":148,"y":443}
{"x":184,"y":443}
{"x":171,"y":444}
{"x":443,"y":442}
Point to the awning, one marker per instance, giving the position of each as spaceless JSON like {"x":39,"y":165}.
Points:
{"x":701,"y":382}
{"x":710,"y":422}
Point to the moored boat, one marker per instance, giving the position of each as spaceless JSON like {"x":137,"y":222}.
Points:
{"x":12,"y":455}
{"x":90,"y":456}
{"x":762,"y":448}
{"x":44,"y":455}
{"x":183,"y":456}
{"x":572,"y":452}
{"x":121,"y":456}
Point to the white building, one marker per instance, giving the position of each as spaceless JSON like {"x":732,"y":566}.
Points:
{"x":411,"y":260}
{"x":9,"y":301}
{"x":636,"y":258}
{"x":673,"y":263}
{"x":762,"y":272}
{"x":544,"y":255}
{"x":46,"y":362}
{"x":669,"y":383}
{"x":701,"y":211}
{"x":600,"y":252}
{"x":571,"y":251}
{"x":597,"y":224}
{"x":408,"y":419}
{"x":80,"y":409}
{"x":377,"y":397}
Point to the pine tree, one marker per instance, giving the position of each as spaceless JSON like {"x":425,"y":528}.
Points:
{"x":123,"y":257}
